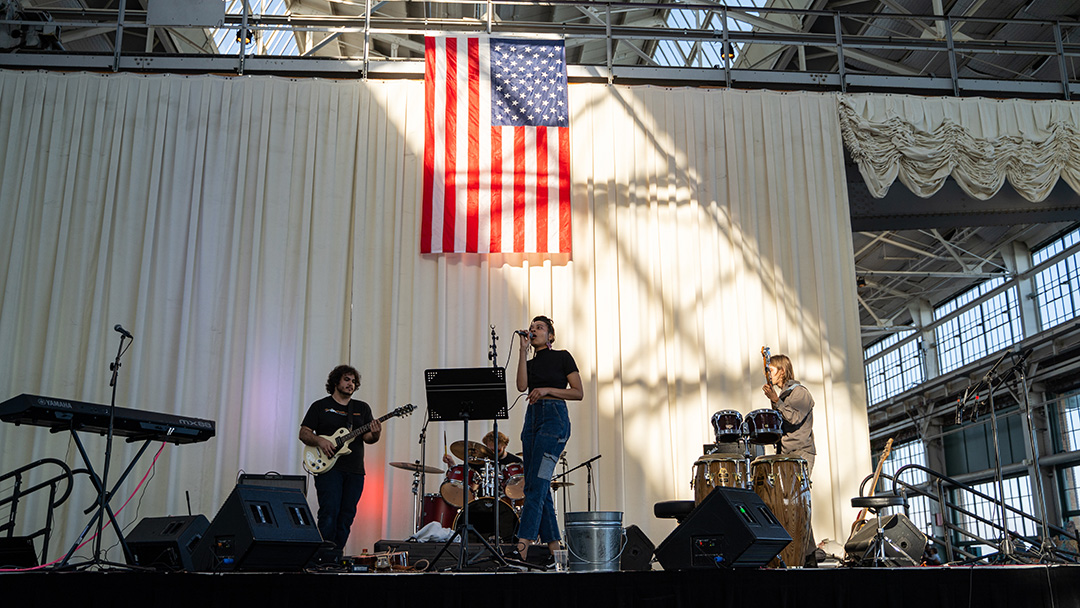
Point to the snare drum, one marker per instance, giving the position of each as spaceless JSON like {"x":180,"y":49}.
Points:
{"x":452,"y":490}
{"x":727,"y":424}
{"x":783,"y":484}
{"x":437,"y":509}
{"x":482,"y":519}
{"x":763,"y":426}
{"x":718,"y":471}
{"x":513,"y":481}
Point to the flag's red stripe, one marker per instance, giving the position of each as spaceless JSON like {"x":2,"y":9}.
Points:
{"x":429,"y":143}
{"x":495,"y":219}
{"x":541,"y":189}
{"x":450,"y":198}
{"x":472,"y":221}
{"x":519,"y":189}
{"x":564,"y":190}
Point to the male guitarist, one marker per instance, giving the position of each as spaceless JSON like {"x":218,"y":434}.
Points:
{"x":339,"y":488}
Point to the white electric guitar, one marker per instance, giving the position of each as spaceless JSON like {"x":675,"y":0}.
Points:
{"x":316,"y":462}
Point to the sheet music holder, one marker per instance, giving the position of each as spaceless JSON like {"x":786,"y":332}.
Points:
{"x":466,"y":394}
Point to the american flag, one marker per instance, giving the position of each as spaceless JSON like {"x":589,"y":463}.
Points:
{"x":496,"y":146}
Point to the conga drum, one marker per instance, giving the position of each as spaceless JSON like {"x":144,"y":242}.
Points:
{"x":717,"y":471}
{"x":783,"y":484}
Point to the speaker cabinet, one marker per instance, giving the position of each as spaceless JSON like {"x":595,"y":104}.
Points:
{"x":259,"y":529}
{"x":166,"y":543}
{"x":275,"y":480}
{"x":732,"y":527}
{"x":17,"y":552}
{"x":637,"y":555}
{"x":898,"y":529}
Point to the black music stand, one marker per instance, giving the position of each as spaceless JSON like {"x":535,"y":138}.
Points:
{"x":471,"y":393}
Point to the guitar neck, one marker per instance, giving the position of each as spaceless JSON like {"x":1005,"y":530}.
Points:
{"x":360,"y":430}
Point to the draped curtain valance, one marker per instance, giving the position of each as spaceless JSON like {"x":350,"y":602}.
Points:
{"x":979,"y":142}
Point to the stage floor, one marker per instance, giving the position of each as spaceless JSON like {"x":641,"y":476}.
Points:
{"x":1004,"y":586}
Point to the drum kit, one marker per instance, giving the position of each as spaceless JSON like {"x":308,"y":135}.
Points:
{"x":487,"y":488}
{"x":782,"y":481}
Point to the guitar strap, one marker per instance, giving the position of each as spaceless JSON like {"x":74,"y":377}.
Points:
{"x":348,"y":415}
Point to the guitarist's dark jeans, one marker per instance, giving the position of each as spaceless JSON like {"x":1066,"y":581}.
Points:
{"x":338,"y":493}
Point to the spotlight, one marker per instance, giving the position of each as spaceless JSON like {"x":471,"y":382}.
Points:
{"x":245,"y":36}
{"x":860,"y":281}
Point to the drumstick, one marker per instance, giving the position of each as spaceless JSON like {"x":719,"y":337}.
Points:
{"x":873,"y":485}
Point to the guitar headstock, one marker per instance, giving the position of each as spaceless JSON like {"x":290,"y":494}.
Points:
{"x":404,"y":410}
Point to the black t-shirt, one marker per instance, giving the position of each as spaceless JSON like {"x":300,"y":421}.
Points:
{"x":549,"y":368}
{"x":509,"y":459}
{"x":326,"y":416}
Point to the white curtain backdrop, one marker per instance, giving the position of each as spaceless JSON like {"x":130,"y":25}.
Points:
{"x":979,"y":142}
{"x":252,"y":232}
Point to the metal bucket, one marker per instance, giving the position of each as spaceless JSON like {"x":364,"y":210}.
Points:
{"x":595,"y":540}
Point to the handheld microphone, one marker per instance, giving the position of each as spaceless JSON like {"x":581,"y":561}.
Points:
{"x":522,"y":332}
{"x":123,"y":332}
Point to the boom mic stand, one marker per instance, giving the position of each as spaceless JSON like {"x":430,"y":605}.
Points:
{"x":101,"y":482}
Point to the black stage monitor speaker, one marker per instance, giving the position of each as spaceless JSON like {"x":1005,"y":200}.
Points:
{"x":259,"y":529}
{"x":166,"y":543}
{"x":17,"y":552}
{"x":732,"y":527}
{"x":275,"y":480}
{"x":899,"y":530}
{"x":637,"y":555}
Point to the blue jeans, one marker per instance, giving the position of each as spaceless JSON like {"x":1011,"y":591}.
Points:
{"x":338,"y":493}
{"x":543,"y":437}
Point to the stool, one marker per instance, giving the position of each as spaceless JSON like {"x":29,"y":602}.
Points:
{"x":673,"y":509}
{"x":874,"y":504}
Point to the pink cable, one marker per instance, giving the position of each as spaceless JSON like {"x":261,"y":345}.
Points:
{"x":107,"y":524}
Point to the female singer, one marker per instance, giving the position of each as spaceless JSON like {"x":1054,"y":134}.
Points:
{"x":546,"y":430}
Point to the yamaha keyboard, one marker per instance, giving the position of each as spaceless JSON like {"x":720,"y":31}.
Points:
{"x":136,"y":425}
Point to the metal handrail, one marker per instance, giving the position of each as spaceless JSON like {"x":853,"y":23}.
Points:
{"x":52,"y":484}
{"x":905,"y":32}
{"x":940,"y":483}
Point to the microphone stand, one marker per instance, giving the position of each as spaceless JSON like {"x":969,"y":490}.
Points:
{"x":418,"y":485}
{"x":101,"y":482}
{"x":1046,"y":546}
{"x":493,"y":355}
{"x":588,"y":465}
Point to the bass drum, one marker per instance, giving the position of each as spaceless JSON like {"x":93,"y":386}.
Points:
{"x":713,"y":471}
{"x":437,"y":509}
{"x":783,"y":483}
{"x":482,"y":519}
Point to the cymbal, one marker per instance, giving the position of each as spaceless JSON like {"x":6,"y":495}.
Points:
{"x":476,"y":450}
{"x":555,"y":485}
{"x":416,"y":466}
